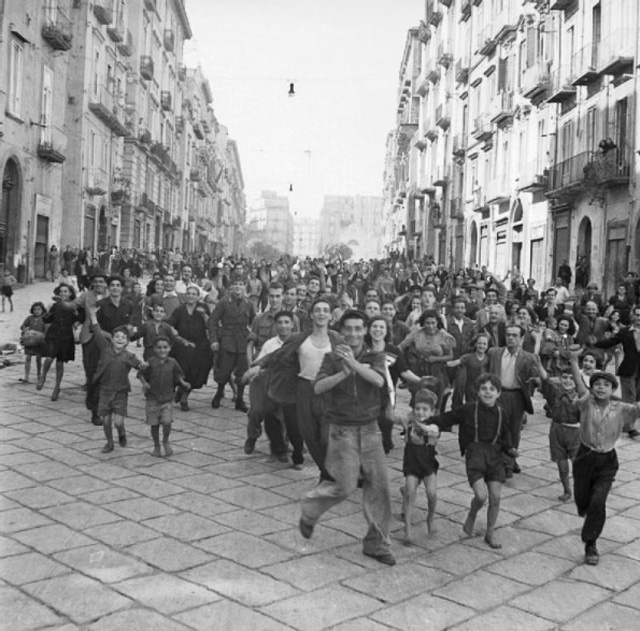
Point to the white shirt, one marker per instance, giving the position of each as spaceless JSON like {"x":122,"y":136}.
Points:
{"x":271,"y":345}
{"x":311,"y":358}
{"x":508,"y":370}
{"x":181,"y":287}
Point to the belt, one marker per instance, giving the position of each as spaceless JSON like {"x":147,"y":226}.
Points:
{"x":511,"y":390}
{"x":571,"y":425}
{"x":593,"y":451}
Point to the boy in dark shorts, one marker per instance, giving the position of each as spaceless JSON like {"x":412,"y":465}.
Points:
{"x":602,"y":421}
{"x":112,"y":377}
{"x":419,"y":463}
{"x":564,"y":431}
{"x":483,"y":437}
{"x":159,"y":380}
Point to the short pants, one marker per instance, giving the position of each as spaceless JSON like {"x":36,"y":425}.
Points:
{"x":564,"y":442}
{"x":112,"y":402}
{"x":419,"y":461}
{"x":159,"y":412}
{"x":484,"y":462}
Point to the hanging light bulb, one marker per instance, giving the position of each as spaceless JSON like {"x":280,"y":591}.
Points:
{"x":292,"y":92}
{"x":291,"y":188}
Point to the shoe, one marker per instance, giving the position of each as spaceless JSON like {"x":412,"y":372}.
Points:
{"x":591,"y":555}
{"x":298,"y":467}
{"x":283,"y":457}
{"x":184,"y":406}
{"x":249,"y":445}
{"x":565,"y":497}
{"x":215,"y":402}
{"x":508,"y":475}
{"x":96,"y":420}
{"x":241,"y":406}
{"x":386,"y":557}
{"x":55,"y":394}
{"x":516,"y":468}
{"x":107,"y":448}
{"x":306,"y":530}
{"x":633,"y":433}
{"x":122,"y":438}
{"x":177,"y":395}
{"x":167,"y":449}
{"x":40,"y":384}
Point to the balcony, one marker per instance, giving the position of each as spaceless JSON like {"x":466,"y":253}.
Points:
{"x":533,"y":177}
{"x":486,"y":43}
{"x":441,"y":176}
{"x":482,"y":129}
{"x":433,"y":73}
{"x":182,"y":72}
{"x":169,"y":40}
{"x":443,"y":116}
{"x":119,"y":196}
{"x":505,"y":24}
{"x":150,"y":5}
{"x":462,"y":71}
{"x":479,"y":200}
{"x":179,"y":124}
{"x":434,"y":13}
{"x":51,"y":146}
{"x":424,"y":33}
{"x":502,"y":109}
{"x":465,"y":10}
{"x":206,"y":127}
{"x":456,"y":208}
{"x":194,"y":174}
{"x":197,"y":131}
{"x":585,"y":65}
{"x":497,"y":191}
{"x":105,"y":106}
{"x":445,"y":53}
{"x":116,"y":31}
{"x":57,"y":29}
{"x":536,"y":82}
{"x":430,"y":132}
{"x":610,"y":169}
{"x":96,"y":182}
{"x":165,"y":100}
{"x":422,"y":84}
{"x":617,"y":52}
{"x":561,"y":5}
{"x":144,"y":136}
{"x":103,"y":10}
{"x":561,"y":86}
{"x":459,"y":145}
{"x":146,"y":67}
{"x":125,"y":47}
{"x":568,"y":175}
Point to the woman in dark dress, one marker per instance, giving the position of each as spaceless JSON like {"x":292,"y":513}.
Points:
{"x":195,"y":358}
{"x":59,"y":343}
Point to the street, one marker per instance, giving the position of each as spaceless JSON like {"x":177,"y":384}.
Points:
{"x":208,"y":538}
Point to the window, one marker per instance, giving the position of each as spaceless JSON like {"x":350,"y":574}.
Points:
{"x":16,"y":62}
{"x":47,"y":105}
{"x":96,"y":73}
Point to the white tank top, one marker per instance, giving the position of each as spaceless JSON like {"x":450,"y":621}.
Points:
{"x":310,"y":359}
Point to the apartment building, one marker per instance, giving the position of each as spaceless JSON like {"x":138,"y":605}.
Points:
{"x":36,"y":39}
{"x":270,"y":220}
{"x":306,"y":237}
{"x":355,"y":221}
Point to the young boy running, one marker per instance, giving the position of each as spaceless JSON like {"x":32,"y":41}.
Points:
{"x":601,"y":422}
{"x":483,"y":437}
{"x":159,"y":380}
{"x":112,"y":375}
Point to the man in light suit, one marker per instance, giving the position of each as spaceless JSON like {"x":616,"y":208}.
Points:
{"x":517,"y":371}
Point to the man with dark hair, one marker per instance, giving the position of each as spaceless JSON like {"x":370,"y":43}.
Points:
{"x":352,"y":376}
{"x":462,"y":330}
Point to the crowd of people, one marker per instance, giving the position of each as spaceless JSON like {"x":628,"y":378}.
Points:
{"x":322,"y":347}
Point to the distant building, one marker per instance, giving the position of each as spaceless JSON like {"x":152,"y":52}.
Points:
{"x":306,"y":237}
{"x":270,"y":220}
{"x":355,"y":221}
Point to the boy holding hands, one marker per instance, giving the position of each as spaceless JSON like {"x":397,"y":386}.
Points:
{"x":601,"y":422}
{"x":159,"y":380}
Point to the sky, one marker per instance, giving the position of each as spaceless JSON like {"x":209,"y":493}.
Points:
{"x":343,"y":57}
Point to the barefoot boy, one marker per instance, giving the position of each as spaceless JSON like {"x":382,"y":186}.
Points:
{"x":484,"y":437}
{"x":419,"y":463}
{"x":601,"y":422}
{"x":159,"y":380}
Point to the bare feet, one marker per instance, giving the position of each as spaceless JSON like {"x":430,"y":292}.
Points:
{"x":40,"y":384}
{"x":469,"y":523}
{"x":156,"y":452}
{"x":490,"y":540}
{"x":21,"y":380}
{"x":55,"y":394}
{"x":431,"y":529}
{"x":167,"y":449}
{"x":407,"y":542}
{"x":565,"y":497}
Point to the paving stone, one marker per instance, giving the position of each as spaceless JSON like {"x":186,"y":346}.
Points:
{"x":552,"y":522}
{"x":21,"y":457}
{"x":127,"y":533}
{"x":148,"y":486}
{"x":420,"y":613}
{"x":81,"y":515}
{"x":21,"y":613}
{"x":199,"y":504}
{"x":532,"y":568}
{"x":28,"y":568}
{"x":561,"y":600}
{"x":571,"y":547}
{"x":606,"y":617}
{"x":46,"y":470}
{"x":481,"y":590}
{"x":108,"y":496}
{"x":80,"y":598}
{"x":613,"y":572}
{"x":394,"y":584}
{"x":630,"y":597}
{"x":105,"y":471}
{"x":505,"y":618}
{"x":186,"y":527}
{"x":631,"y":550}
{"x":102,"y":563}
{"x":250,"y":497}
{"x":234,"y":581}
{"x":40,"y":497}
{"x":165,"y":593}
{"x":9,"y":547}
{"x":622,"y":529}
{"x":361,"y":624}
{"x":459,"y":559}
{"x":323,"y":539}
{"x":20,"y":519}
{"x":169,"y":555}
{"x":53,"y":538}
{"x":251,"y":551}
{"x":313,"y":571}
{"x":11,"y":480}
{"x":169,"y":470}
{"x":229,"y":615}
{"x":251,"y":522}
{"x":71,"y":457}
{"x":514,"y":540}
{"x":79,"y":485}
{"x":322,"y":608}
{"x":141,"y":508}
{"x":138,"y":619}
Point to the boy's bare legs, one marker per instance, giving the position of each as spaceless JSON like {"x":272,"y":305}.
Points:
{"x":431,"y":487}
{"x":59,"y":374}
{"x":155,"y":434}
{"x":27,"y":368}
{"x":118,"y":421}
{"x":492,"y":513}
{"x":478,"y":501}
{"x":45,"y":369}
{"x":39,"y":365}
{"x":166,"y":430}
{"x":408,"y":502}
{"x":108,"y":434}
{"x":563,"y":470}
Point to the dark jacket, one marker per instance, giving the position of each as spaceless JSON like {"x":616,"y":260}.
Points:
{"x":230,"y":323}
{"x":631,"y":362}
{"x":463,"y":337}
{"x":526,"y":370}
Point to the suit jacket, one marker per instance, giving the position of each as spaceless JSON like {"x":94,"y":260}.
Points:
{"x":463,"y":337}
{"x":526,"y":370}
{"x":631,"y":362}
{"x":230,"y":323}
{"x":497,"y":333}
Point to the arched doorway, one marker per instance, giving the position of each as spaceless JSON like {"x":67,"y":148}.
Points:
{"x":103,"y":235}
{"x":10,"y":215}
{"x":473,"y":253}
{"x":583,"y":253}
{"x":517,"y":235}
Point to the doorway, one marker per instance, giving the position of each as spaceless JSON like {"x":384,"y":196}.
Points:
{"x":583,"y":254}
{"x":10,"y":215}
{"x":41,"y":249}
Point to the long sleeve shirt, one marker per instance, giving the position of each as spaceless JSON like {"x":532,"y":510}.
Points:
{"x":114,"y":366}
{"x":600,"y":428}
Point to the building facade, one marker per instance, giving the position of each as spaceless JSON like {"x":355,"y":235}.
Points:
{"x":270,"y":221}
{"x":523,"y":155}
{"x":306,"y":237}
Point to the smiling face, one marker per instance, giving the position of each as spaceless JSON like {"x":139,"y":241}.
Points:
{"x":191,"y":296}
{"x":488,"y":394}
{"x":514,"y":337}
{"x":162,"y":348}
{"x":378,"y":330}
{"x":237,"y":288}
{"x":321,"y":314}
{"x":589,"y":364}
{"x":482,"y":344}
{"x":602,"y":389}
{"x":115,"y":288}
{"x":284,"y":327}
{"x":563,"y":327}
{"x":389,"y":310}
{"x":275,"y":299}
{"x":353,"y":331}
{"x":372,"y":308}
{"x":158,"y":313}
{"x":423,"y":411}
{"x":119,"y":339}
{"x":430,"y":326}
{"x":64,"y":293}
{"x":169,"y":283}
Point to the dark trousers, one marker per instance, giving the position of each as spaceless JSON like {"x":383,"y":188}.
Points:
{"x":513,"y":403}
{"x":315,"y":431}
{"x":228,"y":363}
{"x":90,"y":359}
{"x":593,"y":475}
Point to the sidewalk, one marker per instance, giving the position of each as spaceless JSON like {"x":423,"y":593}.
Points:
{"x":208,"y":539}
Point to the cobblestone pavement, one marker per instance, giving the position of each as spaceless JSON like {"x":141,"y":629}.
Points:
{"x":208,"y":539}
